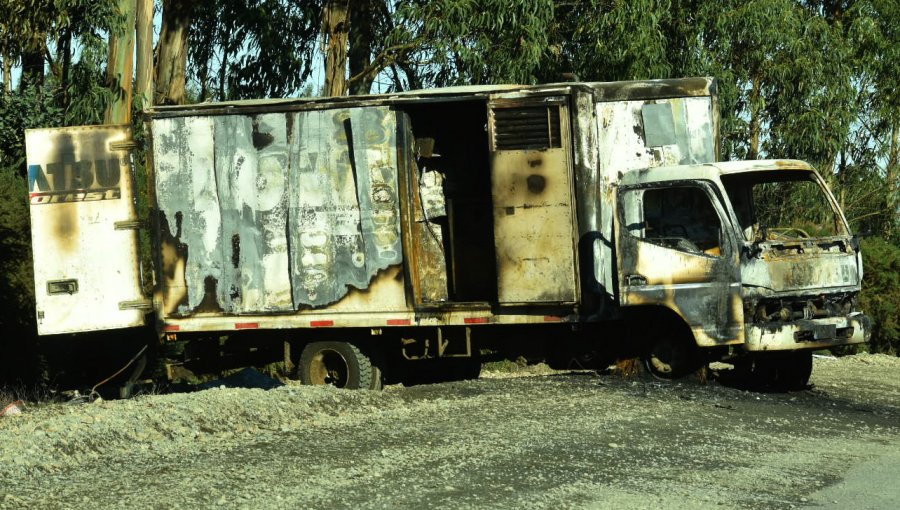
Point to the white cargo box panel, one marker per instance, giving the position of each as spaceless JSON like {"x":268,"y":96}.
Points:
{"x":83,"y":229}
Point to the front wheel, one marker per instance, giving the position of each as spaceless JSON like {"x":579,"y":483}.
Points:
{"x":339,"y":364}
{"x":788,"y":371}
{"x":671,"y":357}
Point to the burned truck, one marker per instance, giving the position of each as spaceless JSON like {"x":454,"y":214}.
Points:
{"x":373,"y":237}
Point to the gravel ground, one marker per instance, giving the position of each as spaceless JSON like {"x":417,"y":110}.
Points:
{"x":541,"y":440}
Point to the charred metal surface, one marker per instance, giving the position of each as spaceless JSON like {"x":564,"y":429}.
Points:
{"x":80,"y":187}
{"x":532,"y":200}
{"x":791,"y":293}
{"x":250,"y":176}
{"x":190,"y":215}
{"x":427,"y":263}
{"x":274,"y":212}
{"x":700,"y":283}
{"x":346,"y":224}
{"x":605,"y":91}
{"x":654,"y":89}
{"x":820,"y":333}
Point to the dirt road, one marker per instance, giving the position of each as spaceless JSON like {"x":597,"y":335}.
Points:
{"x":549,"y":441}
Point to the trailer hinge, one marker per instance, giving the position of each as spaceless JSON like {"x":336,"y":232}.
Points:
{"x":125,"y":145}
{"x":129,"y":225}
{"x":137,"y":304}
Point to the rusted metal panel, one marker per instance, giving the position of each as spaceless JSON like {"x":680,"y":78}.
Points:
{"x":275,"y":212}
{"x":533,"y":205}
{"x":86,"y":264}
{"x":426,"y":262}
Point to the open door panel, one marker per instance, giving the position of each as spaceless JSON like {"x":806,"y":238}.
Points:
{"x":531,"y":183}
{"x":83,"y":229}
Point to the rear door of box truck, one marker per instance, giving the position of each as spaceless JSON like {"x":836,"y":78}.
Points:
{"x":84,"y":229}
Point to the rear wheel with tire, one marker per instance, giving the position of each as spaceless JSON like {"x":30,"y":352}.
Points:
{"x":340,"y":364}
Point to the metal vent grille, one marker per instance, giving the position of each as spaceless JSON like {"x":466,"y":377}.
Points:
{"x":527,"y":128}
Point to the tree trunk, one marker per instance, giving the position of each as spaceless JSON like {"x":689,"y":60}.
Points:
{"x":892,"y":172}
{"x":361,"y":40}
{"x":32,"y":68}
{"x":412,"y":77}
{"x":171,"y":56}
{"x":65,"y":57}
{"x":223,"y":69}
{"x":144,"y":68}
{"x":335,"y":28}
{"x":755,"y":112}
{"x":120,"y":67}
{"x":7,"y":74}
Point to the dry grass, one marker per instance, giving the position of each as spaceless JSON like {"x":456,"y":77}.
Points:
{"x":30,"y":394}
{"x":628,"y":368}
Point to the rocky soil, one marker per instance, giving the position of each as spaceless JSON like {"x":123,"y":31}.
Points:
{"x":537,"y":440}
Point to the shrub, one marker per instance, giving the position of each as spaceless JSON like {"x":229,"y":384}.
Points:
{"x":880,"y":298}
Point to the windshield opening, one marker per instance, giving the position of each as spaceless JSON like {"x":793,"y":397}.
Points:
{"x":782,"y":205}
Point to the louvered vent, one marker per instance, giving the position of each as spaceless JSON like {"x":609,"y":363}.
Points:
{"x":527,"y":128}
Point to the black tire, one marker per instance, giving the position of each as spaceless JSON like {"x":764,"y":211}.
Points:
{"x":339,"y":364}
{"x":671,"y":357}
{"x":787,"y":371}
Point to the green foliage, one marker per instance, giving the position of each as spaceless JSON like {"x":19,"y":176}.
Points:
{"x":20,"y":110}
{"x":454,"y":42}
{"x":252,"y":48}
{"x":880,"y":298}
{"x":609,"y":40}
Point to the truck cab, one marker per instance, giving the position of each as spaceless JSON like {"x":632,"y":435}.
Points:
{"x":755,"y":257}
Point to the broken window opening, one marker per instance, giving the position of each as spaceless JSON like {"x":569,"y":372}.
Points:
{"x":681,"y":218}
{"x":781,"y":205}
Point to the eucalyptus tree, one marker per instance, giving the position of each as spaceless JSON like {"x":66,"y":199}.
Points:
{"x":875,"y":34}
{"x":252,"y":48}
{"x":419,"y":43}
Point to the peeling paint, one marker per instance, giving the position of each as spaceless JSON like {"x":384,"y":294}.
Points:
{"x":274,"y":212}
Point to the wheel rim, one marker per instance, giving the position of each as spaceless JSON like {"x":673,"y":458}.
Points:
{"x":660,"y":365}
{"x":329,"y":367}
{"x":668,"y":359}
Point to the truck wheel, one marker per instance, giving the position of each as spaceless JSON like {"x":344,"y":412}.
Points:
{"x":339,"y":364}
{"x":671,"y":357}
{"x":787,"y":371}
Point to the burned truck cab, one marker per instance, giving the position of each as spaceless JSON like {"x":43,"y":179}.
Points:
{"x":755,"y":257}
{"x":801,"y":268}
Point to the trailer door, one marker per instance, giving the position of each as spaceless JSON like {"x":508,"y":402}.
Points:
{"x":83,"y":229}
{"x":531,"y":183}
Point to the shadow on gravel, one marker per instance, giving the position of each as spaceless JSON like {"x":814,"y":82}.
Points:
{"x":246,"y":378}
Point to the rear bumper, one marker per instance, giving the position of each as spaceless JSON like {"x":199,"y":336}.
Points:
{"x":808,"y":334}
